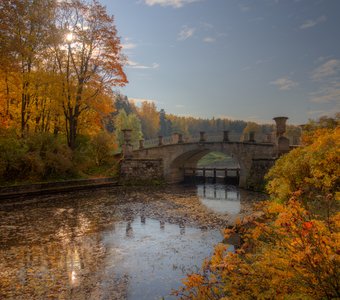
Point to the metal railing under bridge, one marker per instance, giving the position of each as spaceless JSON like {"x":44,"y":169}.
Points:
{"x":228,"y":175}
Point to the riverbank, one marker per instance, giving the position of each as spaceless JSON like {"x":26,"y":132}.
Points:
{"x":44,"y":188}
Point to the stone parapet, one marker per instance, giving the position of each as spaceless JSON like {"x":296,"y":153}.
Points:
{"x":135,"y":170}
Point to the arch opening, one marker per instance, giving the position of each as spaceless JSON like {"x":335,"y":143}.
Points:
{"x":216,"y":159}
{"x":216,"y":167}
{"x":207,"y":166}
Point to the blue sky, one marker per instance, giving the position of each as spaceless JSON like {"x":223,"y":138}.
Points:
{"x":240,"y":59}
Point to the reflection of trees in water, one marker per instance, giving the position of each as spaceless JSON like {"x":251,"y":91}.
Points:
{"x":129,"y":226}
{"x":57,"y":269}
{"x":64,"y":269}
{"x":161,"y":225}
{"x":129,"y":230}
{"x":181,"y":228}
{"x":57,"y":249}
{"x":55,"y":253}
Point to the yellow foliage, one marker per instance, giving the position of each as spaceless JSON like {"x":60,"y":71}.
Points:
{"x":291,"y":250}
{"x":312,"y":170}
{"x":290,"y":255}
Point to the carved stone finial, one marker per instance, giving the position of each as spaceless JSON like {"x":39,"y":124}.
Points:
{"x":280,"y":125}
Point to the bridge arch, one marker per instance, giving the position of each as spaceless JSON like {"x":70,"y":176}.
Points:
{"x":175,"y":156}
{"x":190,"y":159}
{"x":167,"y":160}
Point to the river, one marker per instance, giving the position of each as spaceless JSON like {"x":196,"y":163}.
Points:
{"x":117,"y":243}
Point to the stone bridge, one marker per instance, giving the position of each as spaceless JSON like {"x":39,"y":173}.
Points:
{"x":168,"y":161}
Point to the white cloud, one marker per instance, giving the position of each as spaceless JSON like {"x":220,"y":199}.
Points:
{"x":185,"y":33}
{"x":327,"y":94}
{"x":207,"y":26}
{"x":264,"y":60}
{"x":127,"y":46}
{"x":315,"y":112}
{"x":244,"y":7}
{"x":327,"y":69}
{"x":257,"y":19}
{"x":311,"y":23}
{"x":328,"y":74}
{"x":135,"y":65}
{"x":172,"y":3}
{"x":209,"y":39}
{"x":321,"y":59}
{"x":284,"y":83}
{"x":329,"y":112}
{"x":139,"y":101}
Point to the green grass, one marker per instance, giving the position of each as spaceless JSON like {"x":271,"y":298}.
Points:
{"x":214,"y":157}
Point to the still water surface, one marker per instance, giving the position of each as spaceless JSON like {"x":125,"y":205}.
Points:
{"x":111,"y":244}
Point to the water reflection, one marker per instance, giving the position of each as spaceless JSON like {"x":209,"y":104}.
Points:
{"x":159,"y":254}
{"x":98,"y":247}
{"x":220,"y":198}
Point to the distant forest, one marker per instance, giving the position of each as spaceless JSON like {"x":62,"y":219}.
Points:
{"x":148,"y":123}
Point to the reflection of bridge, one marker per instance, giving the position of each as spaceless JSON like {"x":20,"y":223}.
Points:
{"x":227,"y":174}
{"x":217,"y":193}
{"x":169,"y":161}
{"x":219,"y":198}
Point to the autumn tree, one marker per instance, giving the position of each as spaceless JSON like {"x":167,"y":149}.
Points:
{"x":24,"y":36}
{"x":89,"y":60}
{"x":122,"y":102}
{"x":290,"y":248}
{"x":251,"y":127}
{"x":149,"y":117}
{"x":165,"y":124}
{"x":125,"y":121}
{"x":179,"y":124}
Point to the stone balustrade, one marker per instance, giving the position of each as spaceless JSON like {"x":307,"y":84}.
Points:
{"x":203,"y":137}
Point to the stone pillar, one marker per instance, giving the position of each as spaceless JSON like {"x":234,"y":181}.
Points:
{"x":268,"y":138}
{"x":180,"y":138}
{"x":280,"y":125}
{"x":225,"y":136}
{"x":127,"y":147}
{"x":282,"y":142}
{"x":303,"y":127}
{"x":296,"y":140}
{"x":175,"y":137}
{"x":252,"y":136}
{"x":282,"y":145}
{"x":127,"y":135}
{"x":160,"y":140}
{"x":202,"y":136}
{"x":141,"y":144}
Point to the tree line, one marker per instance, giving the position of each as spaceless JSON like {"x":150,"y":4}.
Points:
{"x":147,"y":122}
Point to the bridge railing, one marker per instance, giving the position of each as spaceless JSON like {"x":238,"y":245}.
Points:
{"x":205,"y":137}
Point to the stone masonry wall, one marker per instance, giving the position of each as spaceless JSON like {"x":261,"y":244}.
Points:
{"x":135,"y":170}
{"x":258,"y":170}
